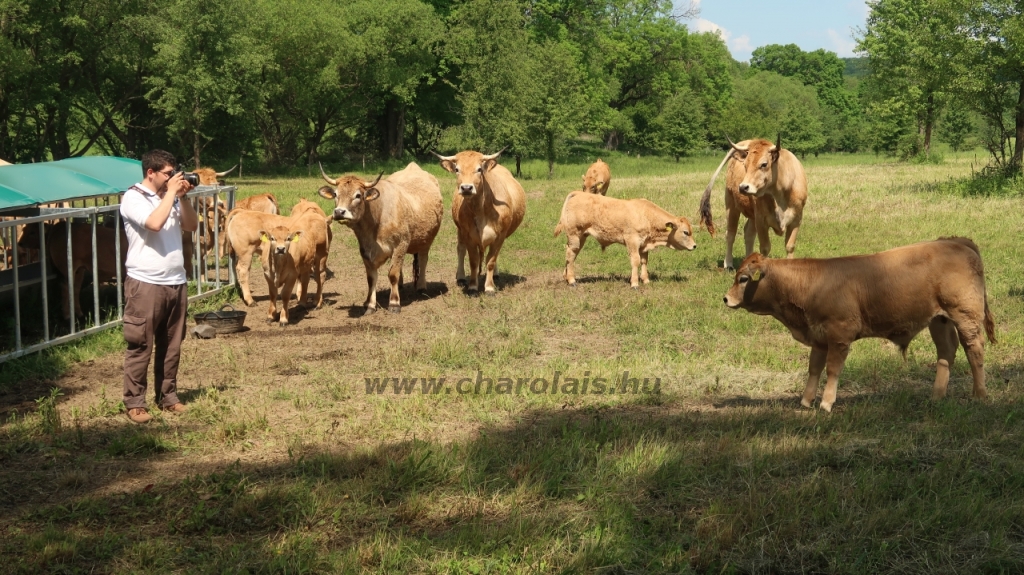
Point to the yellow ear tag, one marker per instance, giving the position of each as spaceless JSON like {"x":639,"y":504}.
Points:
{"x":757,"y":275}
{"x":668,"y":228}
{"x":264,"y":238}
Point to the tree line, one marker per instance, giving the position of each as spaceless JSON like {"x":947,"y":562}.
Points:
{"x":289,"y":82}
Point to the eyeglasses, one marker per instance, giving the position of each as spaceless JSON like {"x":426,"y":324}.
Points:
{"x":167,"y":173}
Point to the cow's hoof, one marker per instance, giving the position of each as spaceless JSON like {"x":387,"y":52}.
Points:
{"x":826,"y":406}
{"x":462,"y":283}
{"x":572,"y":284}
{"x":395,"y":308}
{"x":490,"y":293}
{"x":283,"y":324}
{"x":635,"y":287}
{"x":805,"y":403}
{"x":369,"y":311}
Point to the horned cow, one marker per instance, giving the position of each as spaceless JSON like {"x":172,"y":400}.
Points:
{"x":637,"y":224}
{"x":828,"y":304}
{"x":488,"y":206}
{"x":766,"y":184}
{"x":391,"y":217}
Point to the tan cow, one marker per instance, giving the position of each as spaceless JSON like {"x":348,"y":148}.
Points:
{"x":637,"y":224}
{"x":828,"y":304}
{"x":597,"y":178}
{"x":391,"y":217}
{"x":81,"y":256}
{"x":211,"y":177}
{"x":265,"y":203}
{"x":488,"y":206}
{"x":291,"y":254}
{"x":767,"y":185}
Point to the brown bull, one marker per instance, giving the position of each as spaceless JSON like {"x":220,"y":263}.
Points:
{"x":767,"y":185}
{"x":828,"y":304}
{"x":488,"y":206}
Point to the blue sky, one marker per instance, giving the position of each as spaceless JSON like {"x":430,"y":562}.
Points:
{"x":810,"y":24}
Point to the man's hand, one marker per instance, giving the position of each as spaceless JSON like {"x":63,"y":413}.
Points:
{"x":178,"y":186}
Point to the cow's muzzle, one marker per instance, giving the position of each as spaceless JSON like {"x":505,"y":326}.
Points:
{"x":467,"y":189}
{"x":342,"y":215}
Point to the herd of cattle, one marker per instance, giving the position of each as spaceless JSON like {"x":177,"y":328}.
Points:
{"x":826,"y":304}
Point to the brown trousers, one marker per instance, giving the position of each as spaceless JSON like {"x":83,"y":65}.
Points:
{"x":154,"y":321}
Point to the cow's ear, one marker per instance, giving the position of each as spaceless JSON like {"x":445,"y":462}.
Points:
{"x":486,"y":165}
{"x":448,"y":165}
{"x":757,"y":274}
{"x":295,"y":235}
{"x":372,"y":194}
{"x":670,"y":226}
{"x":327,"y":192}
{"x":264,"y":237}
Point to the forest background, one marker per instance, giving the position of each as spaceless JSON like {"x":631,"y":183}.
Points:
{"x":284,"y":84}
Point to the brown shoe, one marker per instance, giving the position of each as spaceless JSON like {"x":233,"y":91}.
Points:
{"x":139,"y":415}
{"x":176,"y":409}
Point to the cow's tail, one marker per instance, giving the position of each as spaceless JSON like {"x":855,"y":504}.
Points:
{"x":990,"y":323}
{"x":561,"y":218}
{"x":705,"y":200}
{"x":226,"y":249}
{"x":273,"y":200}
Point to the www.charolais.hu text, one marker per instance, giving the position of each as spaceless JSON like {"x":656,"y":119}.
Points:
{"x":554,"y":385}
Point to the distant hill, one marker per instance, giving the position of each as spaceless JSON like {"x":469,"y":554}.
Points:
{"x":855,"y":67}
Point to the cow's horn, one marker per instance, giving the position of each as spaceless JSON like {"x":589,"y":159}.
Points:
{"x":375,"y":181}
{"x":735,"y":147}
{"x":443,"y":158}
{"x":495,"y":155}
{"x":222,"y":174}
{"x":326,"y":178}
{"x":778,"y":144}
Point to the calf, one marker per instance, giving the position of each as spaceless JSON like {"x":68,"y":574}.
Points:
{"x":639,"y":225}
{"x":81,"y":256}
{"x":828,"y":304}
{"x":292,"y":253}
{"x":597,"y":178}
{"x":488,"y":206}
{"x":391,"y":217}
{"x":244,"y":239}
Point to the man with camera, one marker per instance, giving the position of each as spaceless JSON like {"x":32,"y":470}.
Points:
{"x":155,"y":213}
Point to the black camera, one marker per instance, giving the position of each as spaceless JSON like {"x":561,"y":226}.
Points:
{"x":191,"y":177}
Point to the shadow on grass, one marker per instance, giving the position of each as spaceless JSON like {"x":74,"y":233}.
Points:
{"x":408,"y":295}
{"x":888,"y":484}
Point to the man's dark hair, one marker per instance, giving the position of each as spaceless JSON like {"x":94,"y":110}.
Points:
{"x":155,"y":160}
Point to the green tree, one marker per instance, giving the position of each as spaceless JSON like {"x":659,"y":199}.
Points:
{"x":766,"y":104}
{"x":908,"y":43}
{"x":956,"y":128}
{"x":208,"y":64}
{"x":822,"y":70}
{"x":990,"y":44}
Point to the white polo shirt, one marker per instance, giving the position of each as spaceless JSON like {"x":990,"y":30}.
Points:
{"x":153,"y":257}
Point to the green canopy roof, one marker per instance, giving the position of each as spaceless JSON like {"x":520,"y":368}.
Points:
{"x":30,"y":184}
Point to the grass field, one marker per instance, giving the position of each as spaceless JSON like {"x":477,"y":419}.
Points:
{"x":286,"y":463}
